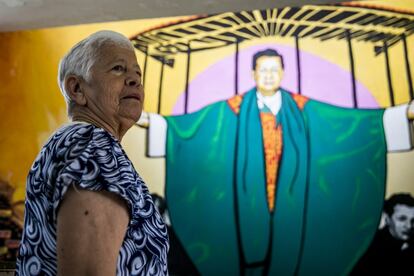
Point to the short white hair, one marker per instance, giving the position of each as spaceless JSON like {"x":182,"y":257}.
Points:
{"x":79,"y":60}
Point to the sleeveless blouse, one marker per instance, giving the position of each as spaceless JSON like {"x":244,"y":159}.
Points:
{"x":93,"y":159}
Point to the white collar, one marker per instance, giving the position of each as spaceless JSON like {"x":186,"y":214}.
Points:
{"x":273,"y":102}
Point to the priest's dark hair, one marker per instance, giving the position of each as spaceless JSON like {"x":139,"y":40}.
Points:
{"x":401,"y":198}
{"x":266,"y":53}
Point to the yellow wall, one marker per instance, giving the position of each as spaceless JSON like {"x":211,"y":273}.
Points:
{"x":31,"y":106}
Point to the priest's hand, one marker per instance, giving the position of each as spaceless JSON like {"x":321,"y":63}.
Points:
{"x":410,"y":113}
{"x":143,"y":120}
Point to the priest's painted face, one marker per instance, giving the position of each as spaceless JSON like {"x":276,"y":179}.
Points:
{"x":114,"y":91}
{"x":401,"y":222}
{"x":268,"y":74}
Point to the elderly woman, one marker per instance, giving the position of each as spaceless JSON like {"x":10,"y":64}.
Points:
{"x":88,"y":212}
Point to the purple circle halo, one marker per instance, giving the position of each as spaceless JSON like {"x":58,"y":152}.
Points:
{"x":321,"y":80}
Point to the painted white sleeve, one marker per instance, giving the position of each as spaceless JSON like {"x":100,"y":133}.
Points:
{"x":397,"y":128}
{"x":157,"y":135}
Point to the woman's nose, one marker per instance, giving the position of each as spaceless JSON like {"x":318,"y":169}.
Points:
{"x":132,"y":80}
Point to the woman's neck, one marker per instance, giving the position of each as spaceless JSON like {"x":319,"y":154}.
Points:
{"x":82,"y":115}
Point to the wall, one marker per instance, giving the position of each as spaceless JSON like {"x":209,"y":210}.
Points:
{"x":32,"y":108}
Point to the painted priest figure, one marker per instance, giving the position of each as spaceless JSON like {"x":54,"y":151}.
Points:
{"x":274,"y":183}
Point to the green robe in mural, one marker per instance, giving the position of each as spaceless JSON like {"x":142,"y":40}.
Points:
{"x":329,"y":192}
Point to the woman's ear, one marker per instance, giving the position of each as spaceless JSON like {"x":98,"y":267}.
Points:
{"x":74,"y":90}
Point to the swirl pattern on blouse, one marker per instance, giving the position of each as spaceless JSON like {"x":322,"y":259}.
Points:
{"x":93,"y":159}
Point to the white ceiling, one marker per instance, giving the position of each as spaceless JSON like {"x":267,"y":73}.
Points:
{"x":34,"y":14}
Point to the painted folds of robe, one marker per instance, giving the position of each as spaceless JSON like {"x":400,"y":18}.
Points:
{"x":329,"y":191}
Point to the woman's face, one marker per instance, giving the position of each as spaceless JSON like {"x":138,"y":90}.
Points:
{"x":401,"y":222}
{"x":113,"y":90}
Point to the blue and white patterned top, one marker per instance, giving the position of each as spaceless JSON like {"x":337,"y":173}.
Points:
{"x":91,"y":157}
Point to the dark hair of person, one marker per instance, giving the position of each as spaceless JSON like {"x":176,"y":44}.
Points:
{"x":402,"y":198}
{"x":266,"y":53}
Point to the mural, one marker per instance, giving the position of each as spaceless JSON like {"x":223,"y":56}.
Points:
{"x":263,"y":151}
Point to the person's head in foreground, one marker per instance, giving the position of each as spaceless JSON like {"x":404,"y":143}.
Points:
{"x":101,"y":82}
{"x":399,"y":210}
{"x":267,"y":71}
{"x":88,"y":212}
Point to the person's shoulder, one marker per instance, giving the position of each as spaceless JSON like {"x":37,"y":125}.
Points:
{"x":70,"y":134}
{"x":235,"y":102}
{"x":299,"y":99}
{"x":76,"y":151}
{"x":74,"y":141}
{"x":384,"y":242}
{"x":74,"y":138}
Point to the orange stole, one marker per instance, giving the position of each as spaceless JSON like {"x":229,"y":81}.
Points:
{"x":234,"y":103}
{"x":272,"y":141}
{"x":300,"y":100}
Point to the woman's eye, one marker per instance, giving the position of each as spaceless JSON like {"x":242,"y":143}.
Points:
{"x":118,"y":68}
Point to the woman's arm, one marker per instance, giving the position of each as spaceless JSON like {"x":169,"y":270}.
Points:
{"x":91,"y":227}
